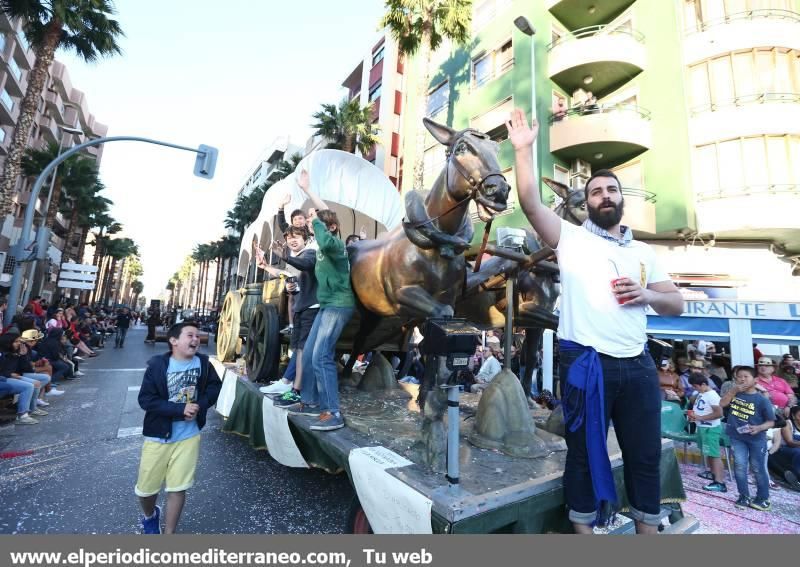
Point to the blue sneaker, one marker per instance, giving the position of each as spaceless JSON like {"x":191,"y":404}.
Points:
{"x":327,"y":422}
{"x":152,"y":525}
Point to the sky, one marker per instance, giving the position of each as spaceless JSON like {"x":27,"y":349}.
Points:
{"x":232,"y":75}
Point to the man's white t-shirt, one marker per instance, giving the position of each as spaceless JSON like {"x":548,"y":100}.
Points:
{"x":589,"y":313}
{"x":702,"y":406}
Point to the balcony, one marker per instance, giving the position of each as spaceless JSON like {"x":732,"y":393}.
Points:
{"x":597,"y":58}
{"x":640,"y":210}
{"x":733,"y":211}
{"x":15,"y":84}
{"x":749,"y":115}
{"x":574,"y":14}
{"x":55,"y":105}
{"x":49,"y":129}
{"x":741,"y":31}
{"x":603,"y":135}
{"x":9,"y":109}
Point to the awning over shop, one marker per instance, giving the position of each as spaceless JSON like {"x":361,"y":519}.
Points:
{"x":740,"y":323}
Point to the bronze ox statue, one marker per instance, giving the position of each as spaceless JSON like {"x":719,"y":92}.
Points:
{"x":417,"y":270}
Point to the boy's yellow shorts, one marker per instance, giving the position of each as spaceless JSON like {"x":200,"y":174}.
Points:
{"x":174,"y":463}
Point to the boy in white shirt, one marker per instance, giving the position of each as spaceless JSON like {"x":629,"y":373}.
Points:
{"x":706,"y":414}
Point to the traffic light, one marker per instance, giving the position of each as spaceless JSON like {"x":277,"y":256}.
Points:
{"x":206,"y":161}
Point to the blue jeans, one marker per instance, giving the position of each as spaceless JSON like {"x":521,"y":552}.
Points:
{"x":750,"y":451}
{"x":787,"y":458}
{"x":31,"y":377}
{"x":633,"y":402}
{"x":120,"y":338}
{"x":291,"y":368}
{"x":320,"y":378}
{"x":26,"y":401}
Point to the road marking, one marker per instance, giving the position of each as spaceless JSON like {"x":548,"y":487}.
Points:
{"x":84,"y":391}
{"x":118,"y":369}
{"x":128,"y":432}
{"x":36,"y":463}
{"x":133,"y":388}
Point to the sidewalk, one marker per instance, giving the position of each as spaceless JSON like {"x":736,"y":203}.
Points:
{"x":717,"y":514}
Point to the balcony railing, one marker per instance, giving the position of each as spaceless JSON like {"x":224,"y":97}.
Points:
{"x":600,"y":109}
{"x":749,"y":190}
{"x":646,"y":196}
{"x":769,"y":14}
{"x":592,"y":31}
{"x":759,"y":98}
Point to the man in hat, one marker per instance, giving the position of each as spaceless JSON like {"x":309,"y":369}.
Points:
{"x":41,"y":365}
{"x":779,"y":392}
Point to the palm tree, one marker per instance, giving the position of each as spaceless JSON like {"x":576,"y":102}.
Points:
{"x":116,"y":250}
{"x":136,"y":287}
{"x":420,"y":26}
{"x":348,"y":126}
{"x":88,"y":209}
{"x":287,"y":166}
{"x":228,"y":250}
{"x":82,"y":26}
{"x":75,"y":175}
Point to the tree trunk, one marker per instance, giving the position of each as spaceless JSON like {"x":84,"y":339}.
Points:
{"x":349,"y":144}
{"x":82,"y":243}
{"x":30,"y":102}
{"x":422,"y":106}
{"x":52,"y":208}
{"x":217,"y":283}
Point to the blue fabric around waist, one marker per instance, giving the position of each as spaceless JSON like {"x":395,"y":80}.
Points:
{"x":583,"y":402}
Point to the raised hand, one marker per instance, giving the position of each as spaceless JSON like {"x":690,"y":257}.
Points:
{"x":303,"y":180}
{"x":285,"y":200}
{"x":521,"y":135}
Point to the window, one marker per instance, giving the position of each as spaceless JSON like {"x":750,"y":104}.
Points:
{"x":771,"y":161}
{"x":491,"y":65}
{"x":2,"y":42}
{"x":438,"y":99}
{"x":377,"y":57}
{"x":433,"y":160}
{"x":15,"y":70}
{"x":23,"y":40}
{"x":7,"y":100}
{"x":375,"y":92}
{"x":740,"y":78}
{"x":2,"y":135}
{"x":493,"y":122}
{"x":484,"y":11}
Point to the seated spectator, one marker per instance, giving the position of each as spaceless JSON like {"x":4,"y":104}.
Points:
{"x":25,"y":392}
{"x":788,"y":371}
{"x":780,"y":394}
{"x":53,"y":349}
{"x":15,"y":368}
{"x":74,"y":336}
{"x":58,"y":321}
{"x":670,"y":382}
{"x":489,"y":369}
{"x":787,"y":458}
{"x":30,"y":340}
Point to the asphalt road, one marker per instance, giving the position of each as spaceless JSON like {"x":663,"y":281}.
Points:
{"x":80,"y":476}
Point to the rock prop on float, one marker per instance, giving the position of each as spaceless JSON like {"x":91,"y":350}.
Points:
{"x":504,"y":422}
{"x":555,"y":423}
{"x":379,"y":375}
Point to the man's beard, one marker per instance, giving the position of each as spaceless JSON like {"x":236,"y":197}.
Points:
{"x":605,"y":219}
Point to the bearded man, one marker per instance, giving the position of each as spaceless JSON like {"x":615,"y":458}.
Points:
{"x":608,"y":280}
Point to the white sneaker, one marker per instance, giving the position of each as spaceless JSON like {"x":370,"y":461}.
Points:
{"x":25,"y":419}
{"x":39,"y":412}
{"x":42,"y":403}
{"x":78,"y":358}
{"x":79,"y":373}
{"x":278,"y":387}
{"x":54,"y":392}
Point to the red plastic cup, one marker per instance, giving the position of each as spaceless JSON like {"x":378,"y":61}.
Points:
{"x":689,"y":413}
{"x":615,"y":283}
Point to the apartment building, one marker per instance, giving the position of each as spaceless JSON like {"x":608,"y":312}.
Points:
{"x":695,"y":104}
{"x":266,"y":168}
{"x":379,"y":79}
{"x":63,"y":117}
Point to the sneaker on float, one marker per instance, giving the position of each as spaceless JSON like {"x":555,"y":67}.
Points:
{"x":277,"y":387}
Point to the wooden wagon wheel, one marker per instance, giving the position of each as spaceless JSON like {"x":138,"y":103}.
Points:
{"x":263,"y":343}
{"x":228,"y":333}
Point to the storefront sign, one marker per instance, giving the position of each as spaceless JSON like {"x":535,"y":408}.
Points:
{"x":732,"y":309}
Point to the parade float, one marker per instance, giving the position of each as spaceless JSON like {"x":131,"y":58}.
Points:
{"x":426,"y":458}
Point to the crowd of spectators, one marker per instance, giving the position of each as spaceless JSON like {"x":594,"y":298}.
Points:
{"x":43,"y":346}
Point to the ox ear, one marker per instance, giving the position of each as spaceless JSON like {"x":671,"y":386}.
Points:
{"x":558,"y":188}
{"x":441,"y":132}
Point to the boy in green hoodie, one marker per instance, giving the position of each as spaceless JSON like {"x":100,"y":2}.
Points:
{"x":320,"y":380}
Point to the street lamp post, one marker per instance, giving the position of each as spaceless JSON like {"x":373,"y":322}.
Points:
{"x":205,"y":165}
{"x":524,"y":25}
